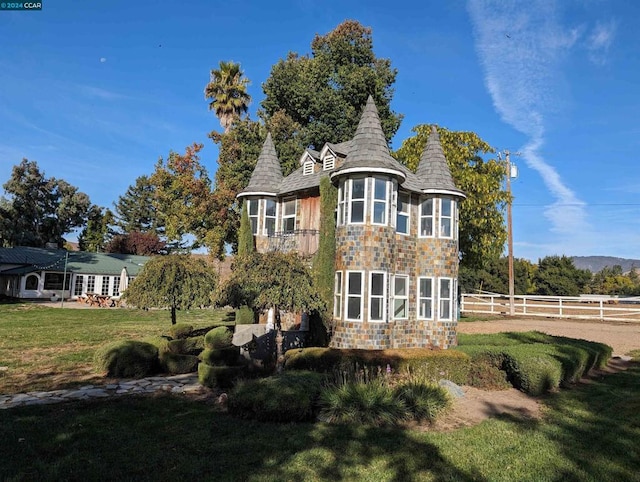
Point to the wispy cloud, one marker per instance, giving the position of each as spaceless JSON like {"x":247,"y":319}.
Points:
{"x":600,"y":41}
{"x":521,"y":48}
{"x":91,"y":91}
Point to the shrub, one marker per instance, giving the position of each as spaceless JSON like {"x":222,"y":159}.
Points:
{"x":287,"y":397}
{"x":428,"y":364}
{"x":127,"y":359}
{"x":218,"y":338}
{"x":186,"y":346}
{"x":484,"y":374}
{"x":221,"y":356}
{"x":218,"y":376}
{"x":176,"y":363}
{"x":372,"y":403}
{"x":245,"y":316}
{"x":180,"y":330}
{"x":424,"y":401}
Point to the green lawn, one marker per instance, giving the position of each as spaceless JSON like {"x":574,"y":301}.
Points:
{"x":589,"y":432}
{"x":49,"y":348}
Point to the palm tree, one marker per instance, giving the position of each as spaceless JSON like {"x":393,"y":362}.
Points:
{"x":227,"y":90}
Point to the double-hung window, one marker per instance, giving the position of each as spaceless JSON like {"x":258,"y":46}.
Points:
{"x":377,"y":296}
{"x":401,"y":297}
{"x":446,"y":218}
{"x":426,"y":218}
{"x":342,"y":203}
{"x":355,"y":288}
{"x":402,"y":214}
{"x":269,"y":216}
{"x":337,"y":295}
{"x":253,"y":208}
{"x":357,"y":200}
{"x":445,"y":297}
{"x":289,"y":216}
{"x":425,"y":298}
{"x":380,"y":201}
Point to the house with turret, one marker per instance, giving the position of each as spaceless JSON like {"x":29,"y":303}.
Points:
{"x":396,"y":262}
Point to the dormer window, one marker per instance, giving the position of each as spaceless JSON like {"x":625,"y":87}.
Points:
{"x":328,"y":163}
{"x":307,"y":168}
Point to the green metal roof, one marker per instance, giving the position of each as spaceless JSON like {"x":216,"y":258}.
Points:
{"x":82,"y":262}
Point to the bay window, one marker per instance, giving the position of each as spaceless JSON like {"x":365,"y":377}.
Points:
{"x":426,"y":218}
{"x":380,"y":201}
{"x":357,"y":200}
{"x":355,"y":285}
{"x":253,"y":208}
{"x":269,"y":216}
{"x":446,"y":218}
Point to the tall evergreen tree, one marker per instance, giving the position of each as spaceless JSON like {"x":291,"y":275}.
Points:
{"x":136,"y":211}
{"x":245,"y":236}
{"x":97,"y":232}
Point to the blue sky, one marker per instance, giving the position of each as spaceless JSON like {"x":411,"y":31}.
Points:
{"x":96,"y":92}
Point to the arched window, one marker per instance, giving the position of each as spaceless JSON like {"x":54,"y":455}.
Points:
{"x":31,"y":283}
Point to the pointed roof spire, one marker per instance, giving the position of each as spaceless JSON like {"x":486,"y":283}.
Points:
{"x":433,"y":171}
{"x":369,"y":151}
{"x":267,"y":175}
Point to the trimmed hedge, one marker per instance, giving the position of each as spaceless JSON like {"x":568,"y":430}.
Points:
{"x":221,"y":356}
{"x":535,"y":362}
{"x":176,"y":363}
{"x":186,"y":346}
{"x":287,"y":397}
{"x":218,"y":376}
{"x":127,"y":359}
{"x":180,"y":330}
{"x":218,"y":338}
{"x":426,"y":364}
{"x":245,"y":316}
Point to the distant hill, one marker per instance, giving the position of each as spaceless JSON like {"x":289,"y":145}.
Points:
{"x":596,"y":263}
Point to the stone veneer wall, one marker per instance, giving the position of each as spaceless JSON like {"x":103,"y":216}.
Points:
{"x":378,"y":248}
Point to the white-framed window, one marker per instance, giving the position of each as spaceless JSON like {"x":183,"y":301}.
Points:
{"x":342,"y":203}
{"x":445,"y":298}
{"x":328,"y":163}
{"x":115,"y":286}
{"x":357,"y":200}
{"x":425,"y":298}
{"x":401,"y":297}
{"x":307,"y":167}
{"x":380,"y":196}
{"x":105,"y":286}
{"x":402,"y":213}
{"x":447,"y":217}
{"x":31,"y":283}
{"x":253,"y":208}
{"x":426,"y":218}
{"x":355,"y":289}
{"x":289,"y":215}
{"x":270,"y":216}
{"x":77,"y":289}
{"x":377,"y":295}
{"x":56,"y":281}
{"x":91,"y":283}
{"x":337,"y":295}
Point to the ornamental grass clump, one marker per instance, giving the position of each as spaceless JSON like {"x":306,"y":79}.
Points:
{"x":424,"y":401}
{"x":127,"y":359}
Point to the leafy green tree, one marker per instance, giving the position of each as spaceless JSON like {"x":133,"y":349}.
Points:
{"x":245,"y":234}
{"x":493,"y":276}
{"x":324,"y":261}
{"x":135,"y":209}
{"x":325,"y":92}
{"x":97,"y":232}
{"x":182,"y":193}
{"x":41,"y":209}
{"x":558,"y":276}
{"x":612,"y":281}
{"x":227,"y":90}
{"x":175,"y":281}
{"x":482,"y":228}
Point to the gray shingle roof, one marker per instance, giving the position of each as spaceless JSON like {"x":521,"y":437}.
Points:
{"x":433,"y":172}
{"x":267,"y":175}
{"x":369,"y":148}
{"x":296,"y":181}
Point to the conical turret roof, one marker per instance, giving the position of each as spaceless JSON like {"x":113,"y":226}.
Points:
{"x":433,"y":172}
{"x":368,"y":151}
{"x":267,"y":175}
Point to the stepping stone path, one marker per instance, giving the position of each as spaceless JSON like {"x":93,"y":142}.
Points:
{"x":186,"y":384}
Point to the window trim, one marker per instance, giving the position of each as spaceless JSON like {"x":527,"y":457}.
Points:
{"x":383,"y":296}
{"x":257,"y":215}
{"x":375,"y":201}
{"x":104,"y":287}
{"x":451,"y":218}
{"x":338,"y":288}
{"x":26,"y":279}
{"x":78,"y":283}
{"x":419,"y":298}
{"x":286,"y":216}
{"x":399,"y":213}
{"x":91,"y":280}
{"x":274,"y":217}
{"x":451,"y":299}
{"x":363,"y":200}
{"x":405,"y":297}
{"x":423,"y":216}
{"x":348,"y":296}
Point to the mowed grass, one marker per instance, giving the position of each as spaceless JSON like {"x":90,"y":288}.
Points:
{"x":49,"y":348}
{"x":588,"y":432}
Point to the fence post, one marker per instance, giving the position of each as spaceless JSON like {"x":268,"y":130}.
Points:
{"x":560,"y":305}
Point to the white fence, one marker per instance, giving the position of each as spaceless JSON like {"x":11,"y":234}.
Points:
{"x":584,"y":307}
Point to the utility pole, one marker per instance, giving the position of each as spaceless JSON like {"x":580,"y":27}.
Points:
{"x":512,"y":308}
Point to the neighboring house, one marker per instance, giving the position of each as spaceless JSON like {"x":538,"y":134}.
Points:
{"x":39,"y":273}
{"x":396,"y":261}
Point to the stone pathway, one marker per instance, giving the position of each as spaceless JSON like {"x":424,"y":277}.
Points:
{"x":186,"y":384}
